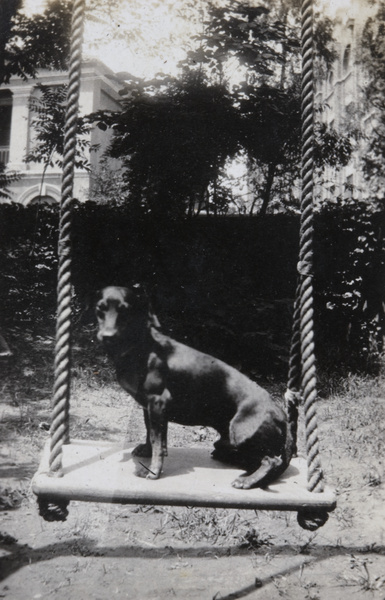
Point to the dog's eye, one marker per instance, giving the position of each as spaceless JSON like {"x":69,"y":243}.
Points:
{"x":100,"y":310}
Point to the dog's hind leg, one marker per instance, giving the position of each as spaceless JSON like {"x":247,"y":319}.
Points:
{"x":225,"y":452}
{"x":223,"y":449}
{"x":270,"y":468}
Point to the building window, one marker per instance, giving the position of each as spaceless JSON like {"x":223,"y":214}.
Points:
{"x":346,"y":58}
{"x":5,"y":124}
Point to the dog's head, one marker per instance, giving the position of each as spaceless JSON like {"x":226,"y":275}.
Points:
{"x":123,"y":314}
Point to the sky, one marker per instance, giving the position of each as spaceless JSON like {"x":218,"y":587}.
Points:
{"x":157,"y":35}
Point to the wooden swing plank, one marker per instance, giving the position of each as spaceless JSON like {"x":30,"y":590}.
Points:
{"x":105,"y":472}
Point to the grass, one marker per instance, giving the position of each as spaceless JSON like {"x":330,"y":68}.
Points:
{"x":215,"y":526}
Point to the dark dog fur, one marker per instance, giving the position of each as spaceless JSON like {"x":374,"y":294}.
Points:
{"x":173,"y":382}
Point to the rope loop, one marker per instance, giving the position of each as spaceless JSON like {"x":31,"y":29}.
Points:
{"x":53,"y":509}
{"x":312,"y":519}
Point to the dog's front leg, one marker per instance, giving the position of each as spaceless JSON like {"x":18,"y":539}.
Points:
{"x":157,"y":414}
{"x":144,"y":450}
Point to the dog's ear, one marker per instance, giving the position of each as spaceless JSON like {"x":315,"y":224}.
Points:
{"x":94,"y":297}
{"x":153,"y":320}
{"x":142,"y":291}
{"x":137,"y":297}
{"x":90,"y":298}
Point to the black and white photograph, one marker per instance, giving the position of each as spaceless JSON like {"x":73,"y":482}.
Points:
{"x":192,"y":299}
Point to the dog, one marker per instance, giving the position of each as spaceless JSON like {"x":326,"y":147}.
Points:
{"x":175,"y":383}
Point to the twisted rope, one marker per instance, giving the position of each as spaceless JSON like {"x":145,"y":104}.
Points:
{"x":61,"y":396}
{"x":302,"y":370}
{"x":309,"y":378}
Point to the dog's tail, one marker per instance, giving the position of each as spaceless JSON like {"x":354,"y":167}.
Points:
{"x":5,"y":350}
{"x":290,"y":448}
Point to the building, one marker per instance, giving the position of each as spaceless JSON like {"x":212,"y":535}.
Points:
{"x":340,"y":96}
{"x":99,"y":89}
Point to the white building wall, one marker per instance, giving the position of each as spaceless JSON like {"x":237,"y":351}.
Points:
{"x":95,"y":77}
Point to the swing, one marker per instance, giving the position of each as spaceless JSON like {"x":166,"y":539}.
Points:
{"x":105,"y":472}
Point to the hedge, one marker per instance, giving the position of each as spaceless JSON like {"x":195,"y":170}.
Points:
{"x":223,"y":284}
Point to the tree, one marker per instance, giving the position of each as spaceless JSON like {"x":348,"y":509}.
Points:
{"x":173,"y":142}
{"x":6,"y":178}
{"x":30,"y":43}
{"x":175,"y":135}
{"x":264,"y":45}
{"x":48,"y":123}
{"x":256,"y":115}
{"x":8,"y":9}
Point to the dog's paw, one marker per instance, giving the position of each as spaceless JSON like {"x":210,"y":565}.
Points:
{"x":143,"y":450}
{"x":243,"y":483}
{"x":145,"y":472}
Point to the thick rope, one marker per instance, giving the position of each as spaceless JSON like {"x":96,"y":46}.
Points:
{"x":309,"y":378}
{"x":61,"y":396}
{"x":302,"y":370}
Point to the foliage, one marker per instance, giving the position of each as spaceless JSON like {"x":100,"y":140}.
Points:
{"x":331,"y":147}
{"x":6,"y":178}
{"x":48,"y":123}
{"x":176,"y":136}
{"x":30,"y":43}
{"x":173,"y":143}
{"x":350,"y":250}
{"x":324,"y":46}
{"x":248,"y":38}
{"x":373,"y":49}
{"x":8,"y":9}
{"x":28,"y":264}
{"x":108,"y":185}
{"x":220,"y":284}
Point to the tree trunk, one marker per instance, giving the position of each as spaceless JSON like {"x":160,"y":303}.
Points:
{"x":267,"y":191}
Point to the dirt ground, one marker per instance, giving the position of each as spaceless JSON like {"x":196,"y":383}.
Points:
{"x":144,"y":552}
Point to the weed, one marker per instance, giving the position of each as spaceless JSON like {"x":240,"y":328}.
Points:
{"x":360,"y":575}
{"x":345,"y":516}
{"x":252,"y":539}
{"x":281,"y":586}
{"x":373,"y":478}
{"x":312,"y":591}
